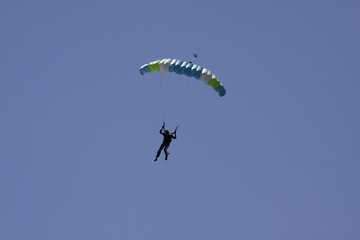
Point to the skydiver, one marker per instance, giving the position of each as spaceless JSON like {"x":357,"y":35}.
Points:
{"x":166,"y":142}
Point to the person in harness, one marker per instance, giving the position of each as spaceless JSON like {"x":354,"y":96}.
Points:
{"x":166,"y":142}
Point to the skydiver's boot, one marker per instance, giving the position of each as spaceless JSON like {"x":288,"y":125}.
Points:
{"x":166,"y":156}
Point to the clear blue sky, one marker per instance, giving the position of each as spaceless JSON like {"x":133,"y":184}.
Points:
{"x":278,"y":158}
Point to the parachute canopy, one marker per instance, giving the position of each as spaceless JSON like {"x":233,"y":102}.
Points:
{"x":186,"y":68}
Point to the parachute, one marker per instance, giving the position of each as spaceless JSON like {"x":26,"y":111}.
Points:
{"x":187,"y":68}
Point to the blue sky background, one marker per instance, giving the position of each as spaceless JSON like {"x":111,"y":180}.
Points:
{"x":276,"y":158}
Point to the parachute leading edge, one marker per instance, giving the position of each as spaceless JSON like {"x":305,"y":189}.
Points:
{"x":186,"y":68}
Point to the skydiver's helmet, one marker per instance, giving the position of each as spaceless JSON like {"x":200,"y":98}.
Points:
{"x":166,"y":131}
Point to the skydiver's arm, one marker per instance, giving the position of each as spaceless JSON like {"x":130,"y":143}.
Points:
{"x":162,"y":128}
{"x":174,"y":136}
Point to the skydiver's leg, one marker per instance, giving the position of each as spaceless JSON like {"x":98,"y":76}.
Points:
{"x":165,"y":150}
{"x":159,"y":151}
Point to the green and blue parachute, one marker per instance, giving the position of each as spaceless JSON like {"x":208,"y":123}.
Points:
{"x":187,"y":68}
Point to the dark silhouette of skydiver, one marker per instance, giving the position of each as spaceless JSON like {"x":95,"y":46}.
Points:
{"x":166,"y":142}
